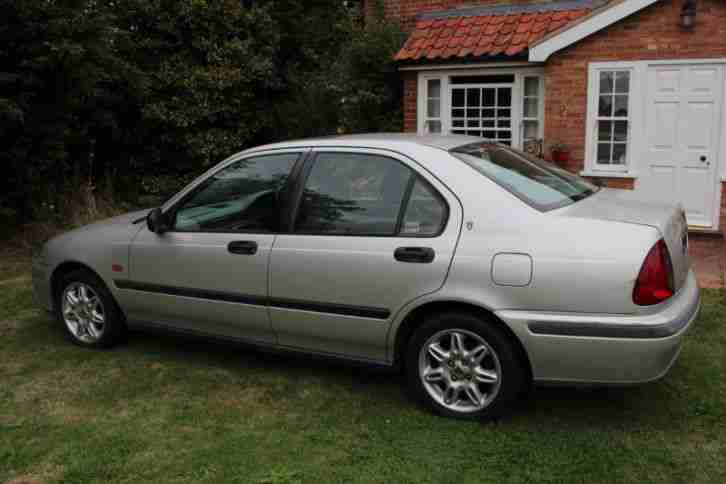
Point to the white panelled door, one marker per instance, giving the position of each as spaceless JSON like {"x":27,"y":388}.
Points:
{"x":682,"y":126}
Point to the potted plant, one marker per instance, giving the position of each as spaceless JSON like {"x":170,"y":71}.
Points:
{"x":560,"y":152}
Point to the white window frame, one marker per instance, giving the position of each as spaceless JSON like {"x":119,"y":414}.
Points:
{"x":634,"y":119}
{"x":445,"y":75}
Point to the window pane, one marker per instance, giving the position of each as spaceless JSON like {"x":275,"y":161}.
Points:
{"x":619,"y":150}
{"x":458,"y":98}
{"x":604,"y":130}
{"x":531,"y":86}
{"x":434,"y":88}
{"x":352,"y":194}
{"x":606,"y":82}
{"x":473,"y":113}
{"x":531,"y":129}
{"x":605,"y":106}
{"x":457,"y":113}
{"x":487,"y":123}
{"x":472,"y":123}
{"x":434,"y":126}
{"x":506,"y":134}
{"x":489,"y":97}
{"x":425,"y":213}
{"x":490,"y":134}
{"x":434,"y":108}
{"x":487,"y":113}
{"x":621,"y":131}
{"x":241,"y":197}
{"x":473,"y":97}
{"x":504,"y":113}
{"x":531,"y":106}
{"x":504,"y":97}
{"x":603,"y":153}
{"x":504,"y":123}
{"x":621,"y":106}
{"x":458,"y":123}
{"x":622,"y":82}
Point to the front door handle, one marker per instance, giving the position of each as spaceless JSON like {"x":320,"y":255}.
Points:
{"x":421,"y":255}
{"x":242,"y":247}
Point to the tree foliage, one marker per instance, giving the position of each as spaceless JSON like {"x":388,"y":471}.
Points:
{"x":107,"y":98}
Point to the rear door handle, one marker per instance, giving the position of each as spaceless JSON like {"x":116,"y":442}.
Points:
{"x":242,"y":247}
{"x":421,"y":255}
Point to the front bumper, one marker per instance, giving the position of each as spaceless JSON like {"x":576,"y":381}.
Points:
{"x":606,"y":349}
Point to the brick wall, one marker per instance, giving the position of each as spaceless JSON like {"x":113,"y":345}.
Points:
{"x":722,"y":219}
{"x":653,"y":33}
{"x":405,"y":11}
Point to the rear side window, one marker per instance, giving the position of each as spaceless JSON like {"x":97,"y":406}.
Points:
{"x":367,"y":195}
{"x":536,"y":182}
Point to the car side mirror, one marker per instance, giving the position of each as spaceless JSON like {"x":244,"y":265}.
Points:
{"x":155,"y":221}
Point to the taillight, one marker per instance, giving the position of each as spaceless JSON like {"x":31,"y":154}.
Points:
{"x":655,"y":280}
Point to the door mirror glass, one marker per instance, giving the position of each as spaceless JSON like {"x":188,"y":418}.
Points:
{"x":155,"y":221}
{"x":242,"y":197}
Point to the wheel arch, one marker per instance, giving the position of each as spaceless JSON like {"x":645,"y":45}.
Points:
{"x":415,"y":318}
{"x":74,"y":265}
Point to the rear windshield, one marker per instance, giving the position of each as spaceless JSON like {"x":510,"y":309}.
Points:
{"x":536,"y":182}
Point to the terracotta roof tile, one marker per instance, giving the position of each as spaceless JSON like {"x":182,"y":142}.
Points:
{"x":484,"y":35}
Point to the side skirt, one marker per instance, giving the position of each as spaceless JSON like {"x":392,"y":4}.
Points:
{"x":160,"y":328}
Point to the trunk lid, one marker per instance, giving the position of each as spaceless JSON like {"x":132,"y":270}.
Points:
{"x":625,"y":206}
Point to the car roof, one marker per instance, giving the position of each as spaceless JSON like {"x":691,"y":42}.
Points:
{"x":390,"y":141}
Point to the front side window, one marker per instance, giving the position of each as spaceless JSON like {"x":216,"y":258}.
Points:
{"x":536,"y":182}
{"x":239,"y":198}
{"x":612,"y":118}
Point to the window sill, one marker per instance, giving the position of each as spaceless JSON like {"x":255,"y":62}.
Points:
{"x":609,"y":174}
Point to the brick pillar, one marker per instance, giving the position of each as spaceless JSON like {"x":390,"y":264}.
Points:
{"x":410,"y":93}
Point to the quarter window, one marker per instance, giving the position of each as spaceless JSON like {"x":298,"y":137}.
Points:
{"x":239,"y":198}
{"x":425,"y":213}
{"x":612,"y":118}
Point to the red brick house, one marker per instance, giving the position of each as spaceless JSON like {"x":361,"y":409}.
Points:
{"x":636,"y":89}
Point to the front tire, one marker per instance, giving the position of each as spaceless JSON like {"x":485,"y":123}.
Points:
{"x":87,"y":311}
{"x":463,"y":366}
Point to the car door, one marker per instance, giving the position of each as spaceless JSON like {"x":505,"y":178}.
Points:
{"x":208,"y":272}
{"x":370,"y":232}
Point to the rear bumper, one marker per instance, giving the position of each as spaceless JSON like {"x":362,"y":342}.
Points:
{"x":606,"y":349}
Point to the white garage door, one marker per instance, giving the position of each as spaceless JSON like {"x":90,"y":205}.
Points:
{"x":682,"y":126}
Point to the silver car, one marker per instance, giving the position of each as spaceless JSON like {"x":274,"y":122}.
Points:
{"x":474,"y":267}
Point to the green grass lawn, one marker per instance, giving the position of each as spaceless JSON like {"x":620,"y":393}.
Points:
{"x":164,"y":409}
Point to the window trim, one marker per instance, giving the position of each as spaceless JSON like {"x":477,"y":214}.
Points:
{"x":302,"y":177}
{"x":591,"y":166}
{"x":197,"y":185}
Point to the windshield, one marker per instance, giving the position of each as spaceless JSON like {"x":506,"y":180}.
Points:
{"x":536,"y":182}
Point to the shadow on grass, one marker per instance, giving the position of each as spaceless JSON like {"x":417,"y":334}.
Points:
{"x":654,"y":405}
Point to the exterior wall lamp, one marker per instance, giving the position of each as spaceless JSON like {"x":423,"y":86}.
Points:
{"x":688,"y":14}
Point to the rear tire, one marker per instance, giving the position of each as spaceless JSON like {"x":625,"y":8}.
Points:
{"x":463,"y":366}
{"x":87,"y":311}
